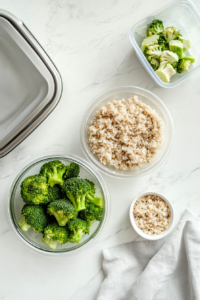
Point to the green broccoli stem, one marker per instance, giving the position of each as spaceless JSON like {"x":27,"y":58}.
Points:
{"x":61,"y":218}
{"x":94,"y":199}
{"x":79,"y":202}
{"x":24,"y":226}
{"x":53,"y":181}
{"x":90,"y":222}
{"x":76,"y":238}
{"x":52,"y":244}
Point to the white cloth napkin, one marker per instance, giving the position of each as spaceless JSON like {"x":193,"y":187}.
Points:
{"x":166,"y":269}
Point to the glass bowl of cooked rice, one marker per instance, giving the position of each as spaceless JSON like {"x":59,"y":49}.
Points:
{"x":126,"y":132}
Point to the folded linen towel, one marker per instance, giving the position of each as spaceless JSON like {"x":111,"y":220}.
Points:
{"x":167,"y":269}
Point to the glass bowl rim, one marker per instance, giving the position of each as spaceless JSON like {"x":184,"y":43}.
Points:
{"x":100,"y":166}
{"x":27,"y":165}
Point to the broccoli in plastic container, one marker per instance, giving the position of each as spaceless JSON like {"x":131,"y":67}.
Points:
{"x":165,"y":50}
{"x":176,"y":47}
{"x":184,"y":63}
{"x":156,"y":27}
{"x":154,"y":51}
{"x":171,"y":33}
{"x":165,"y":71}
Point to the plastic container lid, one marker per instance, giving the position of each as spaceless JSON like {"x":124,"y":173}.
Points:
{"x":29,"y":82}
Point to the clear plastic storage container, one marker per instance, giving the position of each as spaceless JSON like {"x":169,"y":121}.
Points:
{"x":183,"y":15}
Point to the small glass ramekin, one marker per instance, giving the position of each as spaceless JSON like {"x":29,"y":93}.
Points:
{"x":139,"y":231}
{"x":14,"y":204}
{"x":181,"y":14}
{"x":119,"y":93}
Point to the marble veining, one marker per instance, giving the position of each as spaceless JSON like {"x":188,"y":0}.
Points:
{"x":88,"y":41}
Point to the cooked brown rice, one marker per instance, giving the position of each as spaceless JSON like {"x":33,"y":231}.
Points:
{"x":151,"y":214}
{"x":126,"y":134}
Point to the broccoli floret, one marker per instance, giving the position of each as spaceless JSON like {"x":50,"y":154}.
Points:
{"x":149,"y":41}
{"x":34,"y":190}
{"x":33,"y":216}
{"x":175,"y":64}
{"x":171,"y":33}
{"x":54,"y":171}
{"x":156,"y":27}
{"x":154,"y":62}
{"x":148,"y":57}
{"x":169,"y":56}
{"x":54,"y":234}
{"x":76,"y":190}
{"x":90,"y":197}
{"x":176,"y":47}
{"x":189,"y":57}
{"x":62,"y":210}
{"x":164,"y":45}
{"x":186,"y":43}
{"x":77,"y":229}
{"x":55,"y":193}
{"x":91,"y":213}
{"x":183,"y":65}
{"x":92,"y":185}
{"x":165,"y":71}
{"x":72,"y":171}
{"x":154,"y":51}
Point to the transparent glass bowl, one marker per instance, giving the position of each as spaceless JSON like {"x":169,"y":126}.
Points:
{"x":181,"y":14}
{"x":14,"y":204}
{"x":117,"y":94}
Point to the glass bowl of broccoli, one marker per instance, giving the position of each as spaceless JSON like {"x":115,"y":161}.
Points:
{"x":166,"y":43}
{"x":58,"y":204}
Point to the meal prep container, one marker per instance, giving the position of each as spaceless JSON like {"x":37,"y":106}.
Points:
{"x":183,"y":15}
{"x":119,"y":93}
{"x":30,"y":84}
{"x":139,"y":231}
{"x":14,"y":204}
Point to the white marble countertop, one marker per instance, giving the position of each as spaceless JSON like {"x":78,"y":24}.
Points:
{"x":88,"y":41}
